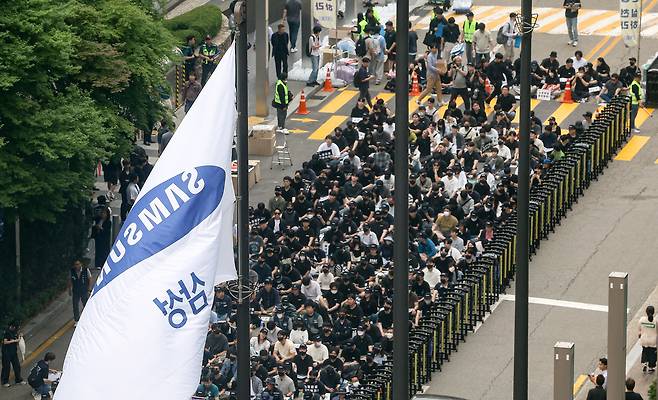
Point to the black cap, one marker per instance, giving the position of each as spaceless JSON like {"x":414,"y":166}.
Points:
{"x":469,"y":14}
{"x":587,"y":114}
{"x":278,"y":189}
{"x":632,"y":59}
{"x":553,"y":53}
{"x":269,"y":381}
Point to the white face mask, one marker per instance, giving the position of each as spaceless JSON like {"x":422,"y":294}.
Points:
{"x":360,"y":333}
{"x":334,"y":291}
{"x":446,"y":213}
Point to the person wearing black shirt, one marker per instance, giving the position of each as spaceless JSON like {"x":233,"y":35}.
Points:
{"x":506,"y":101}
{"x":39,"y":375}
{"x":566,"y":71}
{"x":571,"y":14}
{"x":342,"y":327}
{"x":10,"y":359}
{"x":444,"y":262}
{"x":549,"y":63}
{"x":362,"y":80}
{"x":450,"y":36}
{"x":627,"y":74}
{"x":360,"y":110}
{"x":497,"y":71}
{"x":420,"y":286}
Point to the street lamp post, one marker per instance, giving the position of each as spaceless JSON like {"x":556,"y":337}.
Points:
{"x":401,"y":217}
{"x":525,"y":27}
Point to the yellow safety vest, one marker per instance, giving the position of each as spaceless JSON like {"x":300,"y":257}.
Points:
{"x":635,"y":99}
{"x":362,"y":27}
{"x":469,"y":29}
{"x":277,"y":99}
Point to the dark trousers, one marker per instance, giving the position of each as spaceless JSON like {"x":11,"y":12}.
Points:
{"x":294,"y":30}
{"x":11,"y":360}
{"x":364,"y":93}
{"x":649,"y":356}
{"x":207,"y":70}
{"x":77,"y":299}
{"x":463,"y":92}
{"x":281,"y":114}
{"x":280,"y":64}
{"x":634,"y":110}
{"x":188,"y":105}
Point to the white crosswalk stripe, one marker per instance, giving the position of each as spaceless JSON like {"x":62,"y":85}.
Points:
{"x":590,"y":21}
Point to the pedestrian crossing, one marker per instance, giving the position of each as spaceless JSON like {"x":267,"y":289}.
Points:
{"x":551,"y":20}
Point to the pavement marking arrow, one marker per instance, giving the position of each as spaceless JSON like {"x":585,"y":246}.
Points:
{"x":297,"y":131}
{"x":304,"y":119}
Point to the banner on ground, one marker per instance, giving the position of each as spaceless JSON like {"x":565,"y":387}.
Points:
{"x":324,"y":12}
{"x":630,"y":12}
{"x":142,"y":332}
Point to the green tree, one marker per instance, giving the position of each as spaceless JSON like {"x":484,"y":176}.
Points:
{"x":77,"y":78}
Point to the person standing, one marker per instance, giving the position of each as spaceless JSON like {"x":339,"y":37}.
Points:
{"x":413,"y":44}
{"x":637,"y":100}
{"x":459,"y":75}
{"x":291,"y":13}
{"x":314,"y":50}
{"x":362,"y":80}
{"x":631,"y":394}
{"x":482,"y":43}
{"x":189,"y":56}
{"x":381,"y":58}
{"x":374,"y":52}
{"x":282,"y":97}
{"x":191,"y":91}
{"x":279,"y":43}
{"x":10,"y":354}
{"x":510,"y":32}
{"x":571,"y":8}
{"x":468,"y":30}
{"x":451,"y":35}
{"x":101,"y":232}
{"x":208,"y":53}
{"x":435,"y":68}
{"x":647,"y":337}
{"x":79,"y":286}
{"x":598,"y":392}
{"x":389,"y":36}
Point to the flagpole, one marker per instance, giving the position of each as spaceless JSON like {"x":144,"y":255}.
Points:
{"x":244,"y":370}
{"x":401,"y":217}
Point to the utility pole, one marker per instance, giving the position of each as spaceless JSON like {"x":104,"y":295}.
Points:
{"x":17,"y":230}
{"x":244,"y":285}
{"x":523,"y":197}
{"x":401,"y":217}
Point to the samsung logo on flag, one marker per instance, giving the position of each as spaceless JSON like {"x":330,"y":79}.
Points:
{"x":162,"y":216}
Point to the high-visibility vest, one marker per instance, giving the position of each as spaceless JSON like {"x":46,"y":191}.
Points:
{"x":277,"y":99}
{"x":469,"y":29}
{"x":635,"y":99}
{"x":362,"y":27}
{"x":208,"y":51}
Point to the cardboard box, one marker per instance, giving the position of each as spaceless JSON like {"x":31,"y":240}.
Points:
{"x":261,"y":140}
{"x":251,"y":180}
{"x":327,"y":56}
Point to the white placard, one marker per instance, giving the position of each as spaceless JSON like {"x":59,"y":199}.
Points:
{"x":324,"y":11}
{"x":630,"y":12}
{"x":543,"y":94}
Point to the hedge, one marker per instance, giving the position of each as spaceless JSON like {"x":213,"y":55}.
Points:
{"x":199,"y":22}
{"x":47,"y":253}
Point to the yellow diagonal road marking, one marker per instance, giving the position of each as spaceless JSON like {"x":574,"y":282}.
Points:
{"x":564,"y":111}
{"x":339,"y":101}
{"x":328,"y":127}
{"x":386,"y":96}
{"x":642,"y":116}
{"x":533,"y":104}
{"x":632,"y":148}
{"x":579,"y":382}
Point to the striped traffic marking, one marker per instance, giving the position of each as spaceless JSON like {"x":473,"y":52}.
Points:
{"x":339,"y":101}
{"x":642,"y":116}
{"x":386,"y":96}
{"x":579,"y":383}
{"x":563,"y":111}
{"x":633,"y":147}
{"x":533,"y":104}
{"x":328,"y":127}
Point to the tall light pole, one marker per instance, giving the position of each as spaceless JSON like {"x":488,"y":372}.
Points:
{"x":523,"y":197}
{"x":243,"y":289}
{"x":401,"y":217}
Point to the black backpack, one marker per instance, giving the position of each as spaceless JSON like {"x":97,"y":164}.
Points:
{"x":33,"y":378}
{"x":500,"y":36}
{"x":307,"y":48}
{"x":361,"y":47}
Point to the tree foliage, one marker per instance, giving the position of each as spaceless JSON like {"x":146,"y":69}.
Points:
{"x":77,"y":78}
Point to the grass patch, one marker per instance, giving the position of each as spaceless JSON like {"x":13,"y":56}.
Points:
{"x":199,"y":22}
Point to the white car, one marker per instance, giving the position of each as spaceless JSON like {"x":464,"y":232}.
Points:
{"x":462,"y":6}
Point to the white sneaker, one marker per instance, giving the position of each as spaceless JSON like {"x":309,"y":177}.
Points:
{"x":570,"y":42}
{"x":575,"y":43}
{"x":285,"y":131}
{"x":6,"y":385}
{"x":635,"y":130}
{"x":293,"y":50}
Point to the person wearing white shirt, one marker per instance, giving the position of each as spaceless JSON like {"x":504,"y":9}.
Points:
{"x":311,"y":289}
{"x":579,"y":60}
{"x":329,"y":144}
{"x":389,"y":180}
{"x":354,"y":160}
{"x":431,"y":275}
{"x":258,"y":343}
{"x":325,"y":278}
{"x":368,"y":237}
{"x":318,"y":351}
{"x":451,"y":183}
{"x":504,"y":151}
{"x":299,"y":335}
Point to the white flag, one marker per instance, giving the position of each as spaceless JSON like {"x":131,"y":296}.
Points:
{"x":142,"y":332}
{"x":630,"y":12}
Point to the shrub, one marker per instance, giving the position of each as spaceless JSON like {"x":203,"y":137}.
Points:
{"x":201,"y":21}
{"x":652,"y":391}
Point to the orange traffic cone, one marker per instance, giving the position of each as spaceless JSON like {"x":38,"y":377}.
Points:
{"x":487,"y":86}
{"x":567,"y":93}
{"x":327,"y":82}
{"x":302,"y":104}
{"x":415,"y":87}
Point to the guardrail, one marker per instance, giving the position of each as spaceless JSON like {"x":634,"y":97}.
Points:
{"x":467,"y":302}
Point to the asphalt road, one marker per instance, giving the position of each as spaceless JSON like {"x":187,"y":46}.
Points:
{"x":612,"y":228}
